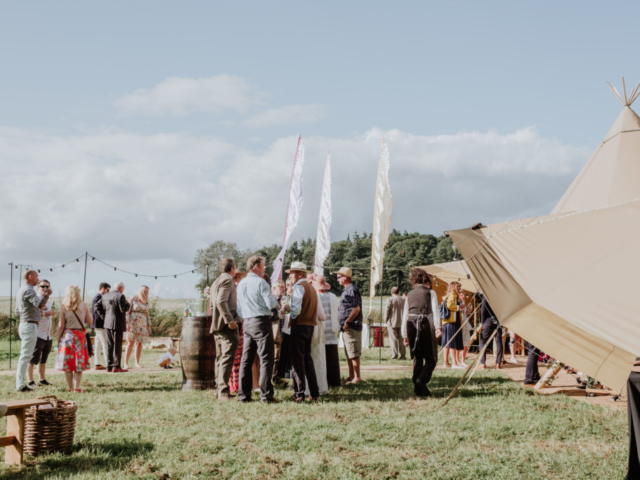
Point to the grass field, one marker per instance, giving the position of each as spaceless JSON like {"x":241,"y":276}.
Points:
{"x":138,"y":425}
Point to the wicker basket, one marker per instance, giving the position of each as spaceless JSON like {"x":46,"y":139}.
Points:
{"x":50,"y":428}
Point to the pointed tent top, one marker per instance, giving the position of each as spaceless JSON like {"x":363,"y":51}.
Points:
{"x":611,"y":174}
{"x":628,"y":100}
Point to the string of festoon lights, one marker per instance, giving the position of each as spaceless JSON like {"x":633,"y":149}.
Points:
{"x":87,"y":256}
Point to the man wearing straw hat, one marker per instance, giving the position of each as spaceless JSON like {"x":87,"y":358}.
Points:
{"x":304,"y":314}
{"x":350,"y":315}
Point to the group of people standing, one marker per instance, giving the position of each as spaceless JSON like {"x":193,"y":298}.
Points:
{"x":111,"y":316}
{"x":291,"y":329}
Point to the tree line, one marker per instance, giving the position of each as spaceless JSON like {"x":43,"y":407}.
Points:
{"x":403,"y":251}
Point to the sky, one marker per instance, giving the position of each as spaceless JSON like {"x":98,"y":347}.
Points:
{"x":142,"y":131}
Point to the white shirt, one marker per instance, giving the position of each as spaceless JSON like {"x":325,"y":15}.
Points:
{"x":167,"y":356}
{"x":44,"y":327}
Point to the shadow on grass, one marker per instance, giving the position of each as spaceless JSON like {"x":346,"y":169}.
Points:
{"x":84,"y":457}
{"x":390,"y":390}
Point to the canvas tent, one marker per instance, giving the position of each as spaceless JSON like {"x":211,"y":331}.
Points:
{"x":567,"y":283}
{"x":453,"y":272}
{"x":612,"y":175}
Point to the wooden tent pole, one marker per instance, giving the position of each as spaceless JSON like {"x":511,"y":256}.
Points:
{"x":473,"y":364}
{"x":549,"y":377}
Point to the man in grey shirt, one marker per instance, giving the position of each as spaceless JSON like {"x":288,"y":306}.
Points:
{"x":28,"y":305}
{"x":255,"y":303}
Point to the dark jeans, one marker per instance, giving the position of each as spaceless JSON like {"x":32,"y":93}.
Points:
{"x":258,"y":338}
{"x":333,"y":365}
{"x":422,"y":350}
{"x":488,"y":327}
{"x":531,"y":374}
{"x":114,"y":348}
{"x":302,"y":361}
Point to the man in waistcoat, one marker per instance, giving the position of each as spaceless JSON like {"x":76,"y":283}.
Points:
{"x":304,"y":313}
{"x":420,"y":327}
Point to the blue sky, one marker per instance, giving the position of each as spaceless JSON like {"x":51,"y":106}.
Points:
{"x":159,"y":115}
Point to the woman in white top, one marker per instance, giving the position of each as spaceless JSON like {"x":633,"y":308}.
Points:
{"x":318,"y":352}
{"x":73,"y":357}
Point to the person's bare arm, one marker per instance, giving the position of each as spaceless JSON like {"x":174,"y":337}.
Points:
{"x":61,"y":324}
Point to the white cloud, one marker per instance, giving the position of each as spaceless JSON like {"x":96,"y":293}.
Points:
{"x":287,"y":115}
{"x":180,"y":96}
{"x":136,"y":198}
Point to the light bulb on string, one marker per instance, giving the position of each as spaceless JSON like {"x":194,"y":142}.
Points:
{"x":38,"y":271}
{"x":63,"y":265}
{"x":136,"y":275}
{"x":175,"y":276}
{"x":115,"y":269}
{"x":78,"y":260}
{"x":156,"y":278}
{"x":51,"y":269}
{"x":93,"y":258}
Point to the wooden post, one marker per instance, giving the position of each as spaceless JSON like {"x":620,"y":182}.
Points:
{"x":548,"y":377}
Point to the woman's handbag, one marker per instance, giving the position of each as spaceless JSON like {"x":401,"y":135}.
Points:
{"x":86,"y":337}
{"x":445,"y":313}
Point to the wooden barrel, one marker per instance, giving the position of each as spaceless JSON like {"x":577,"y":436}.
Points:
{"x":197,"y":354}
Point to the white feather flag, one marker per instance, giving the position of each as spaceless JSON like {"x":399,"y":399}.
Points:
{"x":381,"y":219}
{"x":294,"y":207}
{"x":323,"y":239}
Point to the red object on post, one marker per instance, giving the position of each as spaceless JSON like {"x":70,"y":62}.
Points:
{"x":378,"y":337}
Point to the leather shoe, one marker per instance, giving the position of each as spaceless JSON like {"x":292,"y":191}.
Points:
{"x":100,"y":367}
{"x":271,"y":400}
{"x":25,"y":389}
{"x":119,"y":370}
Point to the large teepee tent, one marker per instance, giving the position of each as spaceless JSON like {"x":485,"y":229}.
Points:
{"x":568,"y":282}
{"x":612,"y":175}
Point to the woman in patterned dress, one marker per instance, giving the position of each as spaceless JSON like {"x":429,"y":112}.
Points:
{"x":73,"y":357}
{"x":235,"y":372}
{"x":138,"y":324}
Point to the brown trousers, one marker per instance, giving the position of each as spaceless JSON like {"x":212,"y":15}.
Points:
{"x":226,"y":345}
{"x":397,"y":343}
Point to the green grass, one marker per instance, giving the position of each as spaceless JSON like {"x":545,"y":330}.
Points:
{"x":143,"y":426}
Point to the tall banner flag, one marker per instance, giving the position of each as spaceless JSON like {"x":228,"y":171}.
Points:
{"x":294,"y":207}
{"x":323,"y":239}
{"x":381,"y":220}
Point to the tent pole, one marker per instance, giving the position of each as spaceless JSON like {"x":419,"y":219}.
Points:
{"x":10,"y":310}
{"x":84,"y":282}
{"x":473,"y":364}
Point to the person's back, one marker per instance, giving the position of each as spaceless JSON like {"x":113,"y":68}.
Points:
{"x":395,"y":305}
{"x":419,"y":301}
{"x":114,"y":316}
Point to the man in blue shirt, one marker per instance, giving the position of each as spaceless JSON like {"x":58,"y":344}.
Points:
{"x":255,"y":303}
{"x":28,"y":305}
{"x":350,"y":316}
